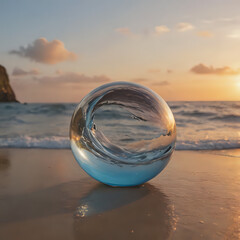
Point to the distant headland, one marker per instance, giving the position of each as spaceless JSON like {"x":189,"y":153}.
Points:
{"x":6,"y":92}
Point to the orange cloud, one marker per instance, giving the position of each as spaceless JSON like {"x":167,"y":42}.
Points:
{"x":140,"y":80}
{"x":161,"y":29}
{"x":59,"y":72}
{"x":20,"y":72}
{"x":151,"y":82}
{"x":154,"y":70}
{"x":184,"y":26}
{"x":235,"y":34}
{"x":161,"y":83}
{"x":124,"y":31}
{"x":72,"y":77}
{"x":203,"y":69}
{"x":43,"y":51}
{"x":205,"y":34}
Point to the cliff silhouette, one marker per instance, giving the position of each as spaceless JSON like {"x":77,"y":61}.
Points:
{"x":6,"y":92}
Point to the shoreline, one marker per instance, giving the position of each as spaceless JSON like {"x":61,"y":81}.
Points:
{"x":228,"y":152}
{"x":44,"y":194}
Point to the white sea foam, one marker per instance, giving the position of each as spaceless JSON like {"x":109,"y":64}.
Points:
{"x":207,"y":145}
{"x":56,"y":142}
{"x":200,"y":125}
{"x":53,"y":142}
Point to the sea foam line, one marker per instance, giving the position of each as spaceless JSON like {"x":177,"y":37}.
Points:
{"x":56,"y":142}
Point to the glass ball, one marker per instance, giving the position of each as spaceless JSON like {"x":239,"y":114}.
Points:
{"x":122,"y":134}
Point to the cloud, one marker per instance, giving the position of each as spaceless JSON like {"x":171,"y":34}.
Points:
{"x":205,"y":34}
{"x":72,"y":77}
{"x":235,"y":34}
{"x":161,"y":83}
{"x":59,"y":71}
{"x":203,"y":69}
{"x":20,"y":72}
{"x":43,"y":51}
{"x":184,"y":26}
{"x":151,"y":82}
{"x":228,"y":19}
{"x":161,"y":29}
{"x":208,"y":21}
{"x":222,"y":20}
{"x":157,"y":70}
{"x":124,"y":31}
{"x":154,"y":70}
{"x":140,"y":80}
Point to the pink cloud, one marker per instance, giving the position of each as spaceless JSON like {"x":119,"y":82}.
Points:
{"x":161,"y":29}
{"x":184,"y":26}
{"x":203,"y":69}
{"x":20,"y":72}
{"x":124,"y":31}
{"x":205,"y":34}
{"x":44,"y":51}
{"x":72,"y":77}
{"x":154,"y":70}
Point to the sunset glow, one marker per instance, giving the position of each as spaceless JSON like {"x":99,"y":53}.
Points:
{"x":185,"y":54}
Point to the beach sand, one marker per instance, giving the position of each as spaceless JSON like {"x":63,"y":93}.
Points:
{"x":44,"y":194}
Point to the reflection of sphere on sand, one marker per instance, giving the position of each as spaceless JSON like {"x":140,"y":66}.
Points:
{"x":111,"y":213}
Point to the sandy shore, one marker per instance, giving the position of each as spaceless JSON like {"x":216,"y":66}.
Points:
{"x":45,"y":195}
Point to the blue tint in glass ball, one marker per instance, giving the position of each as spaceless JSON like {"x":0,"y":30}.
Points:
{"x":122,"y":134}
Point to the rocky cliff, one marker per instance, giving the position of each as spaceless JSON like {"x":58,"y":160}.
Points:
{"x":6,"y":92}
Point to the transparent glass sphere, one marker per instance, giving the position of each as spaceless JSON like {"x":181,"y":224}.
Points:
{"x":122,"y":134}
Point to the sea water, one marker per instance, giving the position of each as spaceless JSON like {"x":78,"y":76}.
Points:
{"x":200,"y":125}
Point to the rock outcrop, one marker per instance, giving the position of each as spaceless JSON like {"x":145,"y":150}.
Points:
{"x":6,"y":92}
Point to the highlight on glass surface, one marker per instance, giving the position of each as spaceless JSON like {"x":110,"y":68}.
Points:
{"x":122,"y":134}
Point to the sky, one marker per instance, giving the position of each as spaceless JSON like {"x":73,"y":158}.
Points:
{"x":59,"y":50}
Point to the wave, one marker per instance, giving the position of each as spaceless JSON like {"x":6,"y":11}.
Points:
{"x":228,"y":118}
{"x":56,"y":142}
{"x":195,"y":113}
{"x":38,"y":108}
{"x":51,"y":109}
{"x":207,"y":144}
{"x":53,"y":142}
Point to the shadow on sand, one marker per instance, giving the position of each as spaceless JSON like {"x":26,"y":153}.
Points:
{"x":4,"y":162}
{"x":97,"y":210}
{"x":141,"y":212}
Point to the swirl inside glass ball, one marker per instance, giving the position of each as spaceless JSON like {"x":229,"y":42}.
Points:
{"x":122,"y":134}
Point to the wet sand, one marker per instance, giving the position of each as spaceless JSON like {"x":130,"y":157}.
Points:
{"x":44,"y":194}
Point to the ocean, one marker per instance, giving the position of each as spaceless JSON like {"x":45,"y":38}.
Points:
{"x":200,"y":125}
